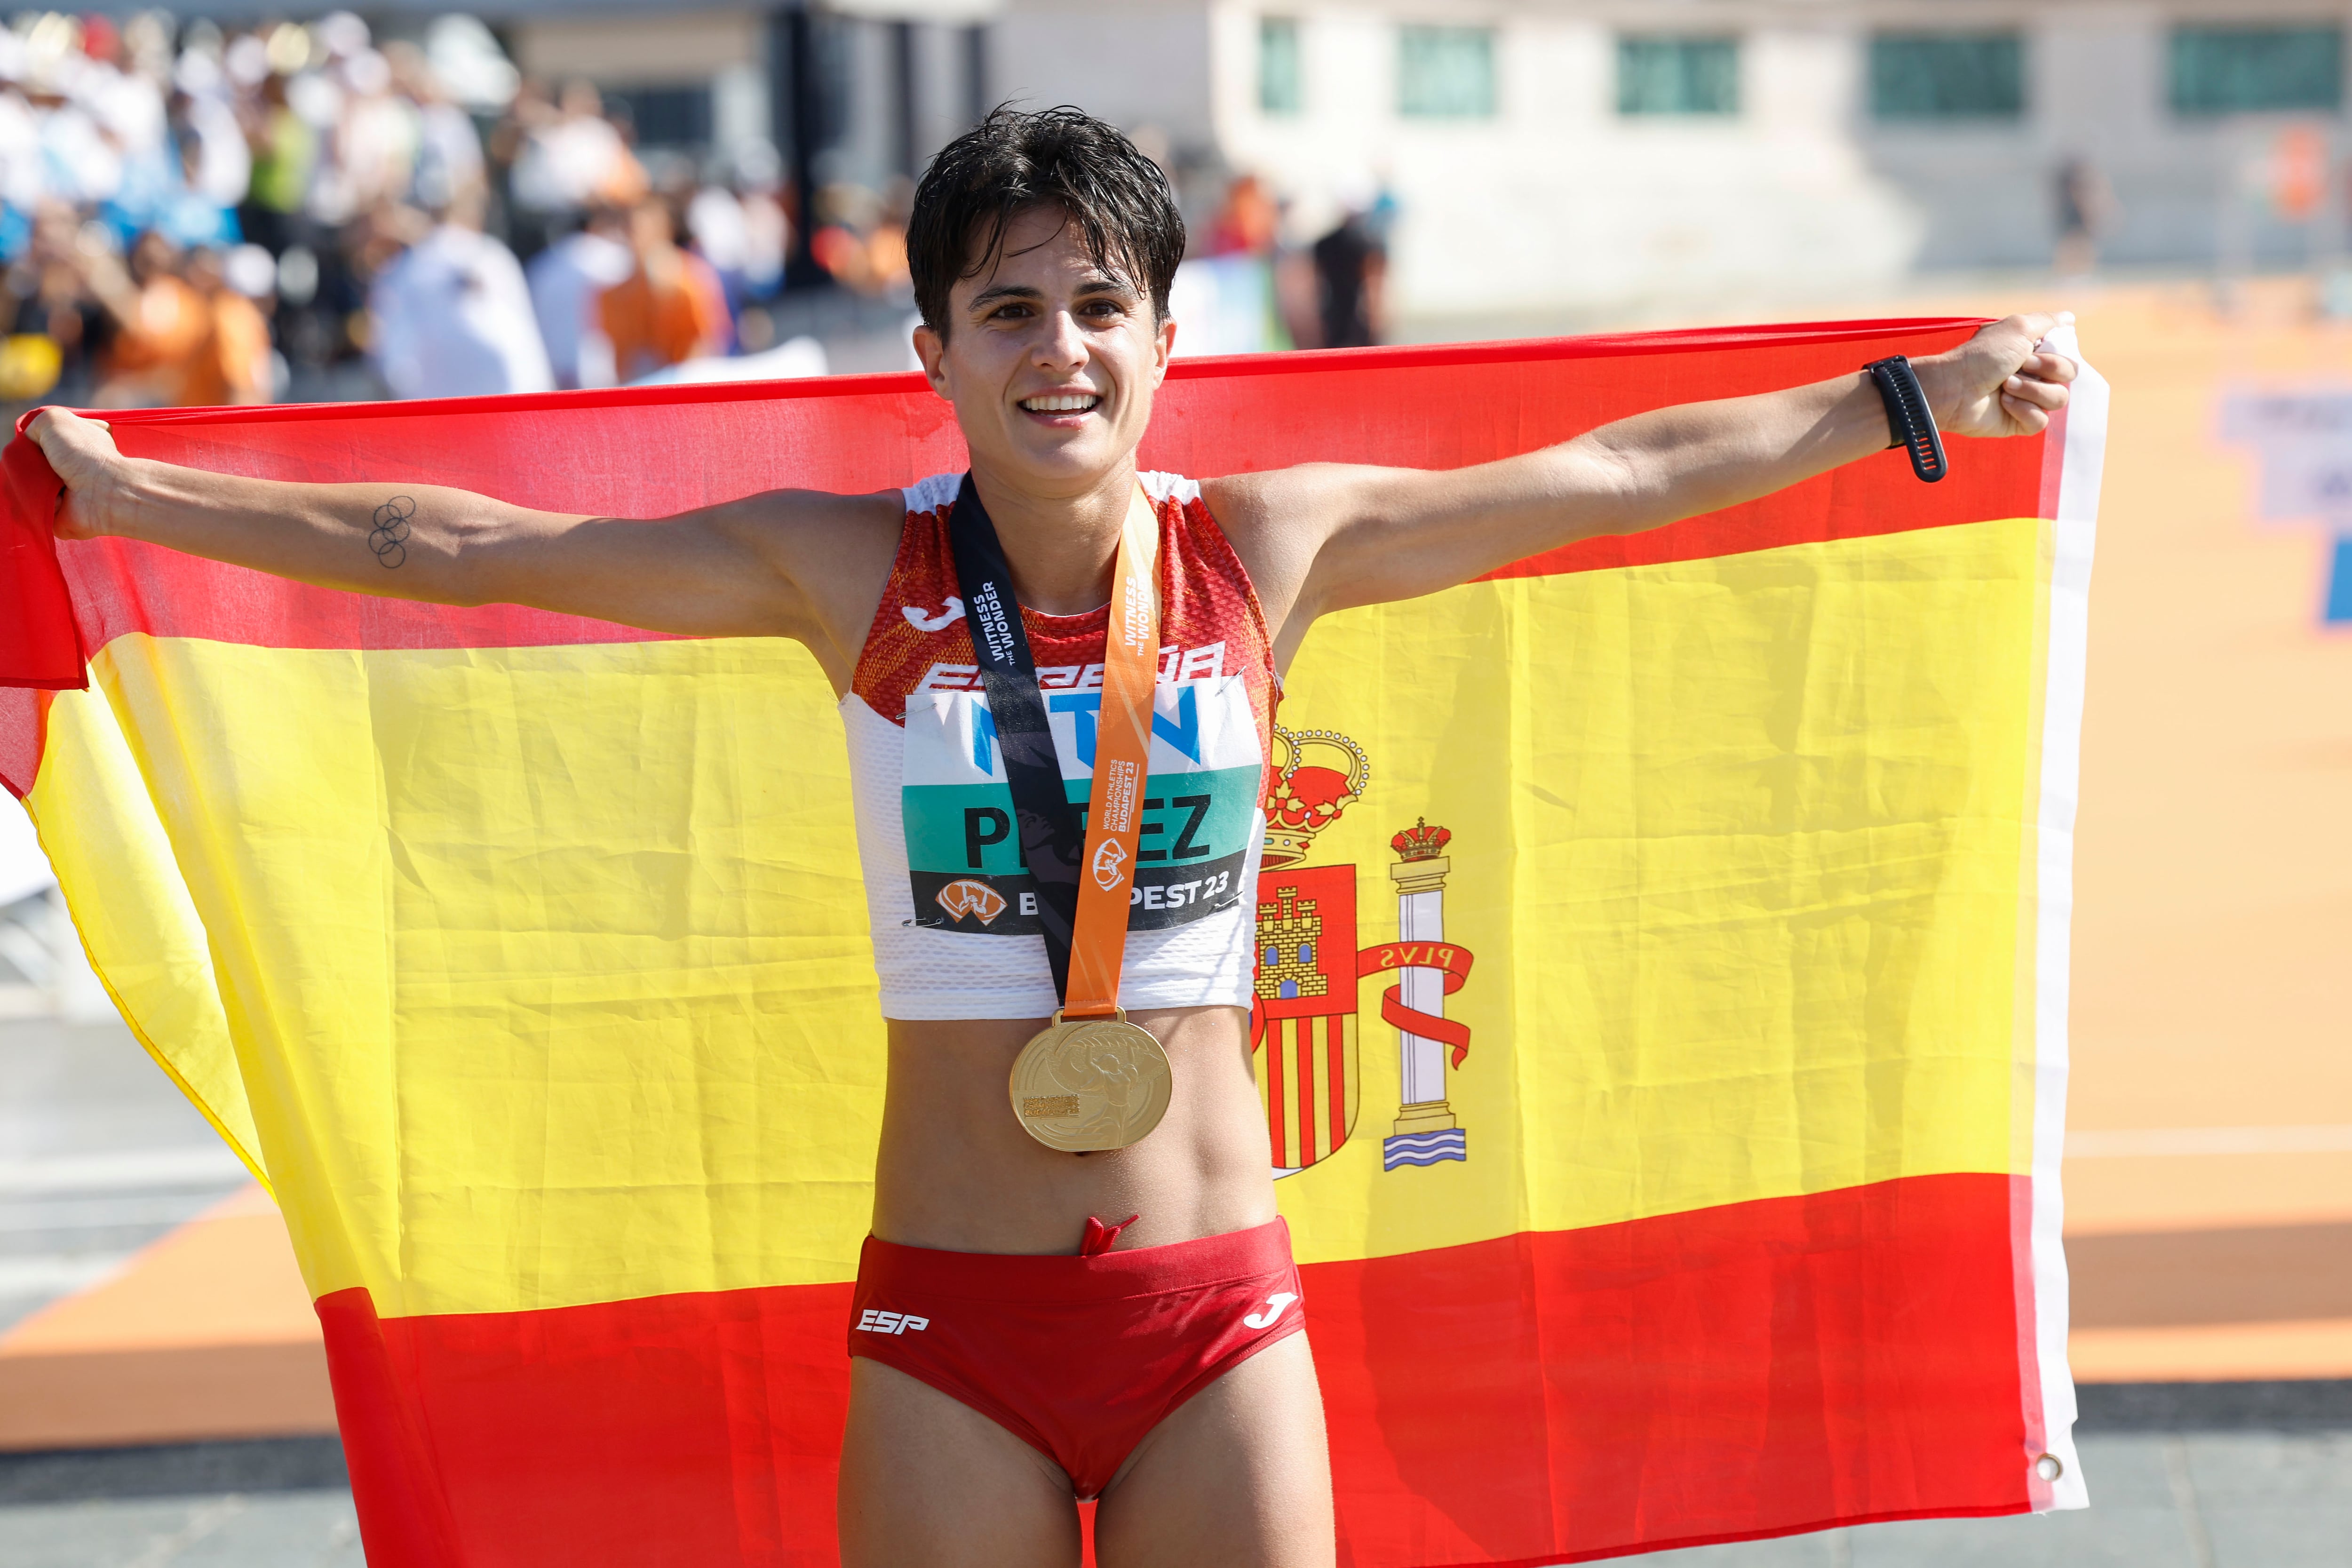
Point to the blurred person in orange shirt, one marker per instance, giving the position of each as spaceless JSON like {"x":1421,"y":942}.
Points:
{"x":187,"y":329}
{"x":161,"y":323}
{"x":234,"y":364}
{"x":671,"y":307}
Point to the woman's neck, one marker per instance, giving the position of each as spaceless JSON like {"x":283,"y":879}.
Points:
{"x":1061,"y":548}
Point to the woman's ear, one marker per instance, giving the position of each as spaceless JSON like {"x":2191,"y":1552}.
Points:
{"x":932,"y":350}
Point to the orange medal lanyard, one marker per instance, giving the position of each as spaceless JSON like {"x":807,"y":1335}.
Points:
{"x":1122,"y":758}
{"x":1085,"y":878}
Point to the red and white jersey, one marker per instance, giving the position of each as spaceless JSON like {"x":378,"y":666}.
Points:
{"x":954,"y":911}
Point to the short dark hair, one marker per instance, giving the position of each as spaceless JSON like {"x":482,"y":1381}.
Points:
{"x":1016,"y":160}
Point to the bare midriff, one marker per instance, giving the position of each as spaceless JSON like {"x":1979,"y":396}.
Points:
{"x":958,"y":1173}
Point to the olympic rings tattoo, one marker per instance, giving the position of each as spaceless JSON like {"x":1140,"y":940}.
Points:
{"x":390,"y":536}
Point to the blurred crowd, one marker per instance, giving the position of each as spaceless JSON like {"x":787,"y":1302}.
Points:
{"x":194,"y":215}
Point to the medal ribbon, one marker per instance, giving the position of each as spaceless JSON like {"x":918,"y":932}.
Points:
{"x":1085,"y":872}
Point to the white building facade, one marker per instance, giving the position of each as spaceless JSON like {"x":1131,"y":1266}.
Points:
{"x":1564,"y":159}
{"x":1581,"y":156}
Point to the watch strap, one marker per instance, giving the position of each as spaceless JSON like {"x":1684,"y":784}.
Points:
{"x":1910,"y":422}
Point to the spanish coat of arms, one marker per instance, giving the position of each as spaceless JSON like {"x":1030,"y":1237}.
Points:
{"x":1303,"y":1022}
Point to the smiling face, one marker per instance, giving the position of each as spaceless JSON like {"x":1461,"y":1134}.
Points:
{"x":1050,"y":359}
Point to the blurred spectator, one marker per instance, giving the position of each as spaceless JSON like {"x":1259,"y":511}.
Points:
{"x":714,"y":219}
{"x":2086,"y":207}
{"x":670,"y":308}
{"x":567,"y":280}
{"x":448,"y":161}
{"x":214,"y":157}
{"x":161,"y":323}
{"x":570,"y":157}
{"x":1351,"y":266}
{"x":285,"y":154}
{"x":375,"y":142}
{"x":1247,"y":222}
{"x":50,"y":306}
{"x":453,"y":316}
{"x":861,"y":239}
{"x":235,"y":362}
{"x":767,"y":231}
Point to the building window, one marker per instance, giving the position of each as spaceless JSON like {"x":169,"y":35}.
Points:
{"x":1677,"y":76}
{"x":2230,"y":70}
{"x":1281,"y":80}
{"x":1948,"y":75}
{"x":1446,"y":73}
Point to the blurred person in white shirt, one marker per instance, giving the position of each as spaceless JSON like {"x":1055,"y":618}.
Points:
{"x":375,"y":138}
{"x":714,"y":219}
{"x":566,"y":280}
{"x":767,"y":232}
{"x":20,"y":153}
{"x":452,"y":315}
{"x":576,"y":158}
{"x":202,"y":113}
{"x":448,"y":148}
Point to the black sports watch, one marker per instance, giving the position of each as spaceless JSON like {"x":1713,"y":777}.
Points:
{"x":1909,"y":421}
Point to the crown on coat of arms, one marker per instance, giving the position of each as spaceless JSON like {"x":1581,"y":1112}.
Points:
{"x":1317,"y":775}
{"x":1421,"y":841}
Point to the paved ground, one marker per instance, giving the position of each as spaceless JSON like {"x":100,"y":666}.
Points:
{"x":2239,"y":1500}
{"x":282,"y":1530}
{"x":2165,"y":1501}
{"x":100,"y":1155}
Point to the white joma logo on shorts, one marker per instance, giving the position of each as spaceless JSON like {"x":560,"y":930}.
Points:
{"x":878,"y":1321}
{"x":1276,"y":1305}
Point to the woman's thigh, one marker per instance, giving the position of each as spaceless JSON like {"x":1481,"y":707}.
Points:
{"x":1239,"y":1476}
{"x":928,"y":1481}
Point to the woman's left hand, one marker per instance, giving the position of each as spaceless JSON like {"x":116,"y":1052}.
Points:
{"x":1998,"y":382}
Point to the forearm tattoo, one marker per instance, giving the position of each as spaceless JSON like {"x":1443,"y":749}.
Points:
{"x":389,"y":539}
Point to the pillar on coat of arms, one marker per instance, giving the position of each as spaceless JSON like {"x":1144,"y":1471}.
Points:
{"x":1426,"y":1131}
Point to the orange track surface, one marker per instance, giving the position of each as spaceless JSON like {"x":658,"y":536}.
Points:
{"x":2213,"y":868}
{"x":208,"y":1334}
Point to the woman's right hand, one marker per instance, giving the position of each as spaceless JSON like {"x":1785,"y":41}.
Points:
{"x":93,"y":472}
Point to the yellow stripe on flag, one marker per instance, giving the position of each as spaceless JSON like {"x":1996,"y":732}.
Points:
{"x":559,"y":953}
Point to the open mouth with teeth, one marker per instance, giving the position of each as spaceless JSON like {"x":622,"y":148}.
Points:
{"x":1063,"y":403}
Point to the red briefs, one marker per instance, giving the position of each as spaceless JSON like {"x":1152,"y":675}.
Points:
{"x":1078,"y":1357}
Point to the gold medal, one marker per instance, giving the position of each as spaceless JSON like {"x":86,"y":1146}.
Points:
{"x":1091,"y":1084}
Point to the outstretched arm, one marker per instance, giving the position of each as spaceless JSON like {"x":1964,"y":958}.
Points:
{"x":1328,"y":537}
{"x":764,"y":565}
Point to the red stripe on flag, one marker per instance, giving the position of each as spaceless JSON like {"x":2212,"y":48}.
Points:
{"x":1738,"y":1371}
{"x":1335,"y":1036}
{"x":1305,"y":1092}
{"x":650,"y":453}
{"x":1277,"y":1041}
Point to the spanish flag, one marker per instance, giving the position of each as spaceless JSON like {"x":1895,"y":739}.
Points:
{"x":1661,"y":981}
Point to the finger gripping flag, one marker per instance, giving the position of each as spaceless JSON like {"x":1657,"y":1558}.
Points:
{"x":1659,"y":1008}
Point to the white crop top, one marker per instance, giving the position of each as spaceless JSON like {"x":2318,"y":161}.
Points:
{"x":953,"y":908}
